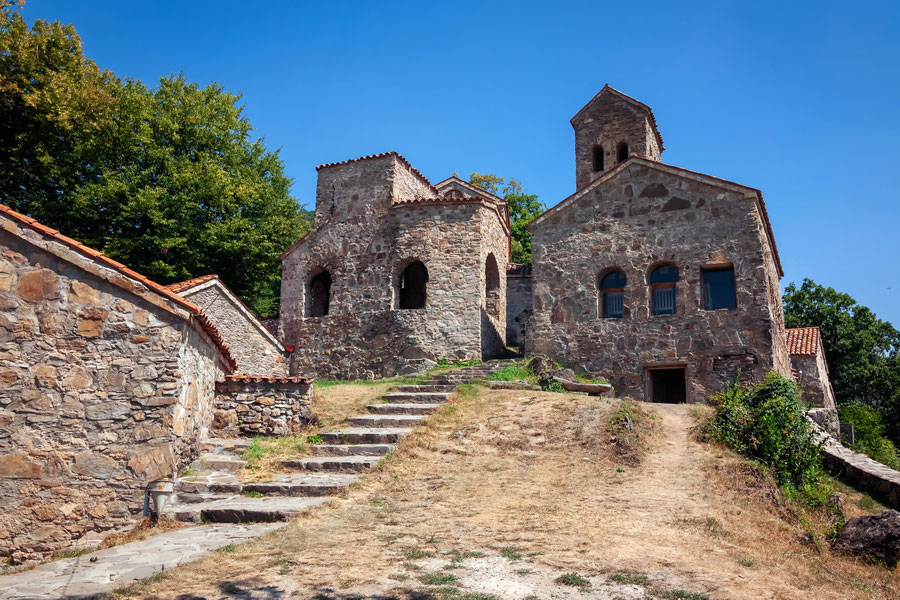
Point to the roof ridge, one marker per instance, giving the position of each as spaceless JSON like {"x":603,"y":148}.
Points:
{"x":152,"y":286}
{"x":393,"y":153}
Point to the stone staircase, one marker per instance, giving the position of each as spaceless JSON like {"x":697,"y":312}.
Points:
{"x":213,"y":493}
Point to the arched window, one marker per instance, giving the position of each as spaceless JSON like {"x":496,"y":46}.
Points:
{"x":411,"y":286}
{"x":319,"y":295}
{"x":598,"y":159}
{"x":492,"y":286}
{"x":452,"y":193}
{"x":612,"y":295}
{"x":662,"y":290}
{"x":622,"y":152}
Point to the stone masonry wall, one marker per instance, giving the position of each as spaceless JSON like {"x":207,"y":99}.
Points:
{"x":365,"y":253}
{"x":812,"y":375}
{"x":518,"y":303}
{"x":634,"y":220}
{"x":264,"y":405}
{"x":256,"y":350}
{"x":101,"y":391}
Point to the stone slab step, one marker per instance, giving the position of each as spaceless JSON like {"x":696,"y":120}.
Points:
{"x":424,"y":388}
{"x":241,"y":509}
{"x":384,"y":420}
{"x":333,"y":464}
{"x":415,"y":408}
{"x":365,"y":435}
{"x":324,"y":484}
{"x":409,"y":397}
{"x":352,"y":449}
{"x":219,"y":445}
{"x":215,"y":482}
{"x":220,"y":462}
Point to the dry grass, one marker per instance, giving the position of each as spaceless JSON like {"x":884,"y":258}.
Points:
{"x":538,"y":472}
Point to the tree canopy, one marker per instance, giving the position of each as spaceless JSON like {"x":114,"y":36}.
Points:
{"x":168,"y":180}
{"x":863,"y":352}
{"x":523,"y":208}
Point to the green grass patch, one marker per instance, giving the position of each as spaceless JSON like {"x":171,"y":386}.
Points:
{"x":253,"y":494}
{"x":415,"y":553}
{"x":438,"y":578}
{"x":573,"y":580}
{"x":458,"y":364}
{"x":630,"y":578}
{"x":511,"y":553}
{"x":514,"y":373}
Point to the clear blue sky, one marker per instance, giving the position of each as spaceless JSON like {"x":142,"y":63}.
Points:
{"x":799,"y":99}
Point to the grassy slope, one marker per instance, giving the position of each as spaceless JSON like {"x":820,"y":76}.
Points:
{"x":536,"y":476}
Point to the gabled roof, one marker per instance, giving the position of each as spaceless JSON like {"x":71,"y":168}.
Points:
{"x":611,"y":91}
{"x":138,"y":282}
{"x":618,"y":169}
{"x":197,"y":284}
{"x":803,"y":340}
{"x":396,"y":155}
{"x":473,"y":190}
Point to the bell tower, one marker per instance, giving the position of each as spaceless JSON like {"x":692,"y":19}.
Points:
{"x":609,"y":129}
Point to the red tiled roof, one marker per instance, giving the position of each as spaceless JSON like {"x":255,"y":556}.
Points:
{"x":240,"y":378}
{"x":470,"y":186}
{"x":396,"y":155}
{"x":186,"y":285}
{"x":610,"y":89}
{"x":803,"y":340}
{"x":99,"y":257}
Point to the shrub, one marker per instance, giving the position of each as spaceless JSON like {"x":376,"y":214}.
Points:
{"x":869,"y":433}
{"x":767,"y":423}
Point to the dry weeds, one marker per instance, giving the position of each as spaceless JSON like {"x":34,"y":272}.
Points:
{"x":537,"y":472}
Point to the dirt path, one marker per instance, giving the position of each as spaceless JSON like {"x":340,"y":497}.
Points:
{"x":525,"y":487}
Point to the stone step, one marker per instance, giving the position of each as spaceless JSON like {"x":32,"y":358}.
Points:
{"x":220,"y":462}
{"x":410,"y":397}
{"x":365,"y":435}
{"x":415,"y":408}
{"x":220,"y":445}
{"x":424,"y":388}
{"x":302,"y":484}
{"x":352,"y":449}
{"x":215,"y":482}
{"x":242,"y":509}
{"x":380,"y":421}
{"x":333,"y":464}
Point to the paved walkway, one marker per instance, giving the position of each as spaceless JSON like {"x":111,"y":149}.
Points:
{"x":106,"y":570}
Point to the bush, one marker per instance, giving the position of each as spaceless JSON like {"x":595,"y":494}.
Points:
{"x":868,"y":428}
{"x":767,"y":423}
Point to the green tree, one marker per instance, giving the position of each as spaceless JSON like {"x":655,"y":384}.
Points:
{"x":861,"y":350}
{"x":523,"y":208}
{"x":168,"y":180}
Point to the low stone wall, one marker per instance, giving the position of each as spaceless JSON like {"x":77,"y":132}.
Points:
{"x":860,"y":471}
{"x":262,"y":405}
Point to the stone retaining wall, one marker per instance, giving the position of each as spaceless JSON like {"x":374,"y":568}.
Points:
{"x":264,"y":405}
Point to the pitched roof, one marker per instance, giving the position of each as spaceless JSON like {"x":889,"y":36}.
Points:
{"x":396,"y":155}
{"x":609,"y":90}
{"x":803,"y":340}
{"x":677,"y":171}
{"x":474,"y":189}
{"x":152,"y":286}
{"x":182,"y":286}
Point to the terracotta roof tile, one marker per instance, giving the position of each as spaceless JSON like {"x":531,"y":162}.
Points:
{"x":190,"y":283}
{"x":241,"y":378}
{"x":161,"y":290}
{"x":803,"y":340}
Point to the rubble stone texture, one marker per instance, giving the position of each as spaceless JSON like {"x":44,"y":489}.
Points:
{"x":254,"y":347}
{"x":633,"y":217}
{"x":374,"y":217}
{"x":264,"y":406}
{"x":518,"y":303}
{"x":104,"y":386}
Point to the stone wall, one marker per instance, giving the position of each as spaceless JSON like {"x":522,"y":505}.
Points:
{"x":635,"y":218}
{"x":518,"y":303}
{"x":263,"y":405}
{"x":370,"y":226}
{"x":812,"y":377}
{"x":104,"y":387}
{"x":254,"y":347}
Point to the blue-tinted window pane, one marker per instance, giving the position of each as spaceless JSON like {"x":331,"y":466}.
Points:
{"x":666,"y":274}
{"x":663,"y":301}
{"x":613,"y":305}
{"x":613,"y":281}
{"x":718,"y":289}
